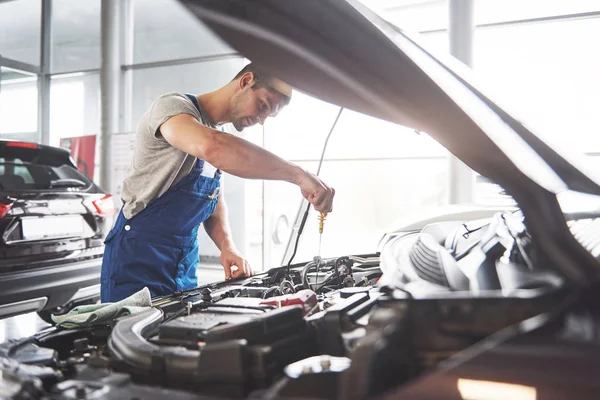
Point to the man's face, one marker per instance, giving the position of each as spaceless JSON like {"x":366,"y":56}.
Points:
{"x":250,"y":106}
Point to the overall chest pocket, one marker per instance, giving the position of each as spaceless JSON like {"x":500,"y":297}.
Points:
{"x":188,"y":209}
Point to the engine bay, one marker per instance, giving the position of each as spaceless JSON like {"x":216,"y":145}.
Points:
{"x":350,"y":327}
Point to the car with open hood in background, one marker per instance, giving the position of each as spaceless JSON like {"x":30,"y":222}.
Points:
{"x":450,"y":309}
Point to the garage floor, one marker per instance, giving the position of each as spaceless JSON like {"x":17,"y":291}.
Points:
{"x":28,"y":324}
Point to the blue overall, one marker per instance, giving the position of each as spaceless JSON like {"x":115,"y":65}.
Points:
{"x":158,"y":247}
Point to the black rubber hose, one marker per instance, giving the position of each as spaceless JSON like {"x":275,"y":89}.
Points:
{"x":338,"y":262}
{"x":271,"y":292}
{"x":127,"y":344}
{"x":305,"y":270}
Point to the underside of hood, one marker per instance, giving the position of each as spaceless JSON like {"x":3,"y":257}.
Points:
{"x":341,"y":52}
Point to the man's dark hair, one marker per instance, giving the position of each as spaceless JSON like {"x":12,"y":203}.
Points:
{"x":261,"y":79}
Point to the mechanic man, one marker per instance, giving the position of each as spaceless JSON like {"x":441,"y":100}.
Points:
{"x":173,"y":185}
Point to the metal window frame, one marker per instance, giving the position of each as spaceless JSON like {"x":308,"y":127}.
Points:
{"x":42,"y":72}
{"x":461,"y":32}
{"x":44,"y":75}
{"x":127,"y":36}
{"x":111,"y":74}
{"x":19,"y":65}
{"x":79,"y":72}
{"x":182,"y":61}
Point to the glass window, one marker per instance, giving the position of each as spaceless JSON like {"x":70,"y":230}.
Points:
{"x":298,"y":133}
{"x":20,"y":23}
{"x":196,"y":78}
{"x":33,"y":169}
{"x":75,"y":35}
{"x":166,"y":30}
{"x":372,"y":198}
{"x":18,"y":105}
{"x":413,"y":15}
{"x":23,"y":172}
{"x":253,"y":206}
{"x":75,"y":106}
{"x":35,"y":177}
{"x":546,"y":75}
{"x":382,"y":172}
{"x":436,"y":42}
{"x":490,"y":11}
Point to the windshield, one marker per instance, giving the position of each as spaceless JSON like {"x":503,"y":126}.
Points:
{"x":19,"y":176}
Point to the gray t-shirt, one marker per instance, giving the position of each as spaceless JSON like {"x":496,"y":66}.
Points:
{"x":157,"y":165}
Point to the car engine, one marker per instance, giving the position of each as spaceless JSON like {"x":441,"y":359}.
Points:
{"x":350,"y":327}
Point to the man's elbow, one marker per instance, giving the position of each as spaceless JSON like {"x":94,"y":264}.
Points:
{"x":206,"y":149}
{"x":216,"y":216}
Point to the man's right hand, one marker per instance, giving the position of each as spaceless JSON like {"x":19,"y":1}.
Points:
{"x":316,"y":192}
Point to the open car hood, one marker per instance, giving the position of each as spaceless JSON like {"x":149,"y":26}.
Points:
{"x":342,"y":52}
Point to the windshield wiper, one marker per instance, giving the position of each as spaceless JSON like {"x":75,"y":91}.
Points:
{"x":66,"y":183}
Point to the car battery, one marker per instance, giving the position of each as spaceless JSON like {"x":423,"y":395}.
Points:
{"x":268,"y":338}
{"x":235,"y":318}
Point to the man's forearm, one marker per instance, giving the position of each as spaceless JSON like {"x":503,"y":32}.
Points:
{"x":227,"y":152}
{"x":217,"y":227}
{"x":242,"y":158}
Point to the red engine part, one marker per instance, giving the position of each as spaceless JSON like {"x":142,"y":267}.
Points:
{"x":305,"y":298}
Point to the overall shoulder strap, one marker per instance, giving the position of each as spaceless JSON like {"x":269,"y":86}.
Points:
{"x":194,"y":100}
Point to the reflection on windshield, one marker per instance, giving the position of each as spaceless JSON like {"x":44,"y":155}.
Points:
{"x":16,"y":175}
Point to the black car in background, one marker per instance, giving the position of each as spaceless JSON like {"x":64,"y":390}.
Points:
{"x":53,"y":219}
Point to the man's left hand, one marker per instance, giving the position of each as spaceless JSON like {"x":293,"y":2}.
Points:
{"x":231,"y":257}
